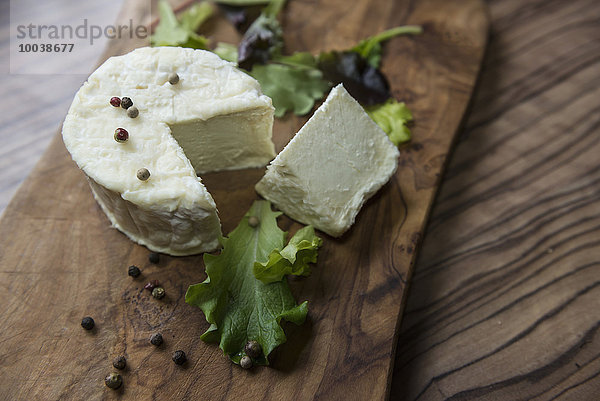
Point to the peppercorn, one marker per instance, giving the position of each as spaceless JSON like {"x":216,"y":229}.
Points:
{"x":120,"y":362}
{"x":133,"y":112}
{"x":121,"y":135}
{"x":253,"y":349}
{"x":87,"y":323}
{"x":179,"y":357}
{"x":113,"y":380}
{"x":156,"y":339}
{"x":253,"y":221}
{"x":158,"y":292}
{"x":173,"y":78}
{"x":246,"y":362}
{"x":115,"y":101}
{"x":154,"y":257}
{"x":126,"y":103}
{"x":143,"y":174}
{"x":151,"y":284}
{"x":133,"y":271}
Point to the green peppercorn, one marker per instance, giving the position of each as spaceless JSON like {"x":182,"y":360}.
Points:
{"x":120,"y":362}
{"x":113,"y":380}
{"x":253,"y":349}
{"x":153,"y":257}
{"x":126,"y":103}
{"x":143,"y":174}
{"x":253,"y":221}
{"x":156,"y":339}
{"x":246,"y":362}
{"x":179,"y":357}
{"x":173,"y":78}
{"x":133,"y":271}
{"x":133,"y":112}
{"x":87,"y":323}
{"x":158,"y":292}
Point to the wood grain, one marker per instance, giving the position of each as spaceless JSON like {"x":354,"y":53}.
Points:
{"x":61,"y":260}
{"x":505,"y":299}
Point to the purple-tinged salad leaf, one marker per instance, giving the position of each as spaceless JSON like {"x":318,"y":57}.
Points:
{"x":364,"y":82}
{"x":264,"y":38}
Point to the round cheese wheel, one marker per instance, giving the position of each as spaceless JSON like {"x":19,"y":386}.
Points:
{"x":214,"y":117}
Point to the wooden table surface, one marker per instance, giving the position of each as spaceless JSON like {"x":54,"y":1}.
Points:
{"x":504,"y":303}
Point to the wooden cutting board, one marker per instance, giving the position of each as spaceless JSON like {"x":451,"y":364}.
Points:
{"x":60,"y":260}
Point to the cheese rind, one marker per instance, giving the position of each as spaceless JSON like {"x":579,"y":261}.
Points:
{"x":337,"y":161}
{"x":171,"y":212}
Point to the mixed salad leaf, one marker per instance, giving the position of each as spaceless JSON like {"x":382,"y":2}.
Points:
{"x":296,"y":82}
{"x":238,"y":306}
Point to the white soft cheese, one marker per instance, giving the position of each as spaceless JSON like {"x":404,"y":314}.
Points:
{"x":337,"y":160}
{"x":214,"y":118}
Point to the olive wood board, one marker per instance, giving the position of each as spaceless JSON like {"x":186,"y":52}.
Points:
{"x":60,"y":259}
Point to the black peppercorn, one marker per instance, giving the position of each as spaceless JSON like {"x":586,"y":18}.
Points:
{"x":87,"y":323}
{"x":133,"y":271}
{"x":153,"y":257}
{"x":156,"y":339}
{"x":126,"y":103}
{"x":158,"y":292}
{"x":179,"y":357}
{"x":113,"y":380}
{"x":173,"y":78}
{"x":120,"y":362}
{"x":246,"y":362}
{"x":253,"y":349}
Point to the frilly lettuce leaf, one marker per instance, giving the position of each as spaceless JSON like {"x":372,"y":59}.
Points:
{"x":393,"y":117}
{"x":239,"y":307}
{"x":293,"y":259}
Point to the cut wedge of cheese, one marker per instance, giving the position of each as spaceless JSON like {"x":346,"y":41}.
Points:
{"x":337,"y":161}
{"x":214,"y":118}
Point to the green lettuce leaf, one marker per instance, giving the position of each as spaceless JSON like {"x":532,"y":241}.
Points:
{"x":293,"y":259}
{"x":290,"y":88}
{"x":171,"y":32}
{"x":226,"y":51}
{"x":237,"y":305}
{"x":242,"y":3}
{"x":192,"y":18}
{"x":393,"y":117}
{"x":370,"y":48}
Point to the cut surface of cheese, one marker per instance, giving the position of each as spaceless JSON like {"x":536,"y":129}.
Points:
{"x":214,"y":118}
{"x":337,"y":160}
